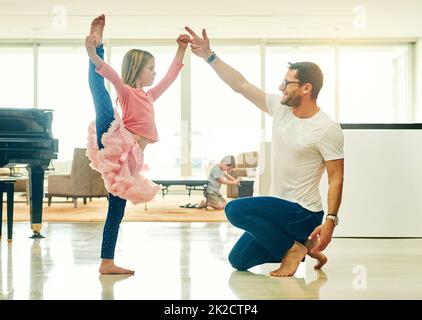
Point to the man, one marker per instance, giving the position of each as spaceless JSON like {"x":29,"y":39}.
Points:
{"x":286,"y":225}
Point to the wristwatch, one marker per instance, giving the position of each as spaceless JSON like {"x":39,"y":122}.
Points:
{"x":333,"y":218}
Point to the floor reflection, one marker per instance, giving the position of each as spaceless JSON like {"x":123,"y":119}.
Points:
{"x":40,"y":265}
{"x":16,"y":273}
{"x":7,"y":291}
{"x":107,"y":284}
{"x":248,"y":285}
{"x":183,"y":261}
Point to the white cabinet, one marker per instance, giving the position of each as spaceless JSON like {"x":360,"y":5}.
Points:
{"x":382,"y":194}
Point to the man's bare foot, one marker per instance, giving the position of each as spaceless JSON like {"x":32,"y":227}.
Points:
{"x":290,"y":261}
{"x":322,"y":258}
{"x":108,"y":267}
{"x":97,"y":28}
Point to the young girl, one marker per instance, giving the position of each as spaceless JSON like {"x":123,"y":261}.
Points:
{"x":115,"y":145}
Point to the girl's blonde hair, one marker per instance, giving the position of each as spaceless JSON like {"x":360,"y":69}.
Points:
{"x":133,"y":63}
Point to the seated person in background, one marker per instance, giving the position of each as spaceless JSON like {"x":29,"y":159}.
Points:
{"x":218,"y":176}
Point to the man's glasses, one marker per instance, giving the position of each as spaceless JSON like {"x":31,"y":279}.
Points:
{"x":285,"y":83}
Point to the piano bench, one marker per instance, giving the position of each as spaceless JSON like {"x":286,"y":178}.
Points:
{"x":7,"y":184}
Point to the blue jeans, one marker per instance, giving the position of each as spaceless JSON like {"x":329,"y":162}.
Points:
{"x":104,"y":116}
{"x":271,"y":225}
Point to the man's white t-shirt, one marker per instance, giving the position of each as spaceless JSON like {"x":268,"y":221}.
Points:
{"x":298,"y":151}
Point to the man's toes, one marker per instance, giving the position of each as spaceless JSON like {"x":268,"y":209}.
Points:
{"x":276,"y":273}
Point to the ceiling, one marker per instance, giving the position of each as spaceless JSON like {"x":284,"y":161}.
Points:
{"x":230,"y":19}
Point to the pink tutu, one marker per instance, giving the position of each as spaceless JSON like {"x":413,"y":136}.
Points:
{"x":120,"y":162}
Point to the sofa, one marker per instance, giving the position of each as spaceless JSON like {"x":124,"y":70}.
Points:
{"x":82,"y":182}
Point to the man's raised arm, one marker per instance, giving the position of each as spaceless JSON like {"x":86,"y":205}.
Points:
{"x":232,"y":77}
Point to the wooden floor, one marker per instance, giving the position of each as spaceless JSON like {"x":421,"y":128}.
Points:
{"x":189,"y":261}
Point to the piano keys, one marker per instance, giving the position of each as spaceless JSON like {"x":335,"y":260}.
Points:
{"x":26,"y":138}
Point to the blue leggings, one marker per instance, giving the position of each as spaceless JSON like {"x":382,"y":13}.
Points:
{"x":271,"y":227}
{"x":104,"y":116}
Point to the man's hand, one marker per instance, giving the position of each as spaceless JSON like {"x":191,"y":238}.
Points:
{"x":233,"y":78}
{"x":183,"y":40}
{"x":325,"y":233}
{"x":200,"y":46}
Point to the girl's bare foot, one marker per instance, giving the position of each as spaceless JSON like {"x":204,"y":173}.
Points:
{"x":97,"y":28}
{"x":290,"y":261}
{"x":322,"y":258}
{"x":108,"y":267}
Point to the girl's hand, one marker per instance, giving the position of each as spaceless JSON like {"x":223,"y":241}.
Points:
{"x":183,"y":41}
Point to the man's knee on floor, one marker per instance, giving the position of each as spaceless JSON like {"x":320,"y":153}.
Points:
{"x":232,"y":210}
{"x":236,"y":261}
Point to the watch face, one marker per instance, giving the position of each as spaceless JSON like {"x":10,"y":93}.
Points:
{"x":334,"y":219}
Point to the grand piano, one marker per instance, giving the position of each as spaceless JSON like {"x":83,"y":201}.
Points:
{"x":26,"y":138}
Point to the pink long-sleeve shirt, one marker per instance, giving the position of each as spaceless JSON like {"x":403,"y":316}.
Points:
{"x":137,"y":105}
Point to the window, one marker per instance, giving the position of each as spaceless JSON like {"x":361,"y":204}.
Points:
{"x":63,"y":87}
{"x":17,"y":77}
{"x":223,"y":121}
{"x":374,"y":84}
